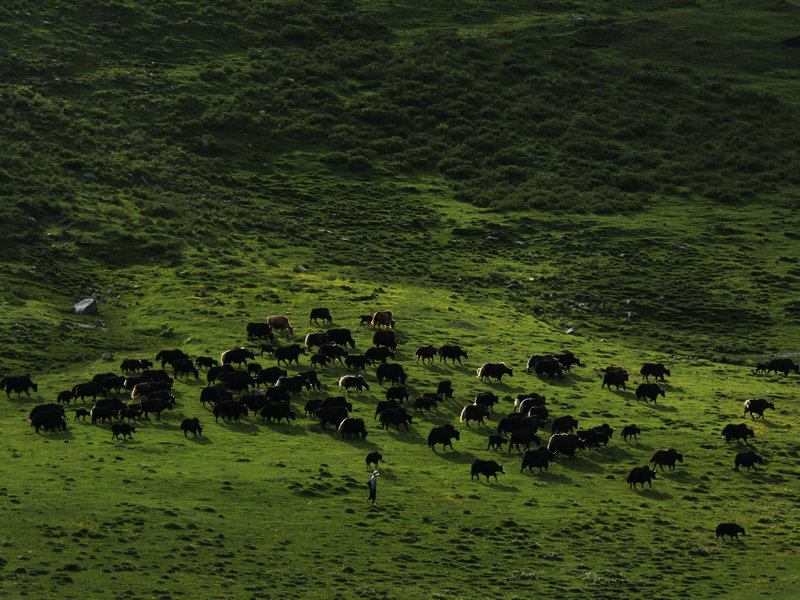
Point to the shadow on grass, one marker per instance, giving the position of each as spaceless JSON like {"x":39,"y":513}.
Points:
{"x":497,"y":484}
{"x":409,"y":436}
{"x":655,"y":494}
{"x":662,"y":407}
{"x":548,"y":476}
{"x":199,"y":439}
{"x":454,"y":456}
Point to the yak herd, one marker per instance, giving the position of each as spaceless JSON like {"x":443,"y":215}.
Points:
{"x":268,"y":392}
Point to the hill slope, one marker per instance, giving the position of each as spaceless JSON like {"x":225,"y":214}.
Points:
{"x":496,"y":174}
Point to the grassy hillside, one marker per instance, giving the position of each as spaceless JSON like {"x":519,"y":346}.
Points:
{"x":497,"y":174}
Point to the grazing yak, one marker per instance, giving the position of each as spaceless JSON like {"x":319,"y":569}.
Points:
{"x":89,"y":389}
{"x":426,"y":402}
{"x":740,"y":431}
{"x":757,"y":406}
{"x":395,"y":416}
{"x":487,"y":468}
{"x":156,"y":406}
{"x":311,"y":380}
{"x":378,"y":354}
{"x":364,"y":320}
{"x":268,"y":348}
{"x":134,"y":365}
{"x":18,"y":384}
{"x":496,"y":442}
{"x":337,"y":401}
{"x":474,"y":412}
{"x":229,"y":410}
{"x":616,"y":376}
{"x":320,"y":313}
{"x":126,"y":414}
{"x":236,"y":381}
{"x":236,"y":356}
{"x":523,"y":437}
{"x":269,"y":376}
{"x":487,"y":399}
{"x":383,"y":318}
{"x":184,"y":366}
{"x":443,"y":435}
{"x":126,"y":430}
{"x":81,"y":414}
{"x":732,"y":530}
{"x":533,"y":398}
{"x":259,"y":331}
{"x":426,"y":353}
{"x":319,"y":360}
{"x":747,"y":459}
{"x":374,"y":457}
{"x":358,"y":362}
{"x":761,"y":367}
{"x":214,"y":372}
{"x":293,"y":383}
{"x":494,"y":371}
{"x":397,"y":392}
{"x":64,"y":397}
{"x":549,"y":367}
{"x":277,"y":411}
{"x":782,"y":365}
{"x":650,"y":392}
{"x":288,"y":354}
{"x":333,"y":351}
{"x":255,"y":400}
{"x":540,"y":457}
{"x":384,"y":337}
{"x":394,"y":372}
{"x":280,"y":323}
{"x":383,"y":405}
{"x":631,"y":431}
{"x":531,"y":407}
{"x":666,"y":457}
{"x":657,"y":370}
{"x":341,"y":336}
{"x":215,"y":393}
{"x":193,"y":426}
{"x":347,"y":382}
{"x":445,"y":388}
{"x":640,"y":475}
{"x":316,"y":338}
{"x":170,"y":356}
{"x":454,"y":353}
{"x":351,"y":427}
{"x":49,"y":420}
{"x":592,"y":438}
{"x":564,"y":424}
{"x":564,"y":443}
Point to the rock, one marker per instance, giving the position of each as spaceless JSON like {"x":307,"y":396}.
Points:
{"x":90,"y":175}
{"x":678,"y":246}
{"x":571,"y":331}
{"x":87,"y":306}
{"x":107,"y":356}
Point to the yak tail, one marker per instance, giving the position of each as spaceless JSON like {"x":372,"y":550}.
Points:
{"x":3,"y":383}
{"x":463,"y":410}
{"x":478,"y":372}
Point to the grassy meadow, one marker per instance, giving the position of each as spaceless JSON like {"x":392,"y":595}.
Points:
{"x":619,"y":179}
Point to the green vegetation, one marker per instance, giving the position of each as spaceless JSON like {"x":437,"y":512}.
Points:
{"x":496,"y":173}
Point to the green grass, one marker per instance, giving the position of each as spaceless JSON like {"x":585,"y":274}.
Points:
{"x":495,"y":174}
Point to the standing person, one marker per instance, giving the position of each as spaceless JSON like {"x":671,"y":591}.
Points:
{"x":373,"y":486}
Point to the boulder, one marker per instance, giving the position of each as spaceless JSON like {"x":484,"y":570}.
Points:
{"x":87,"y":306}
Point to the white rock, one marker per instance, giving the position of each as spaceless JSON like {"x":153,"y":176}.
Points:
{"x":87,"y":306}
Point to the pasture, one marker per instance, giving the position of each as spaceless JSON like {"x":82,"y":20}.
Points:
{"x":256,"y":510}
{"x":516,"y":178}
